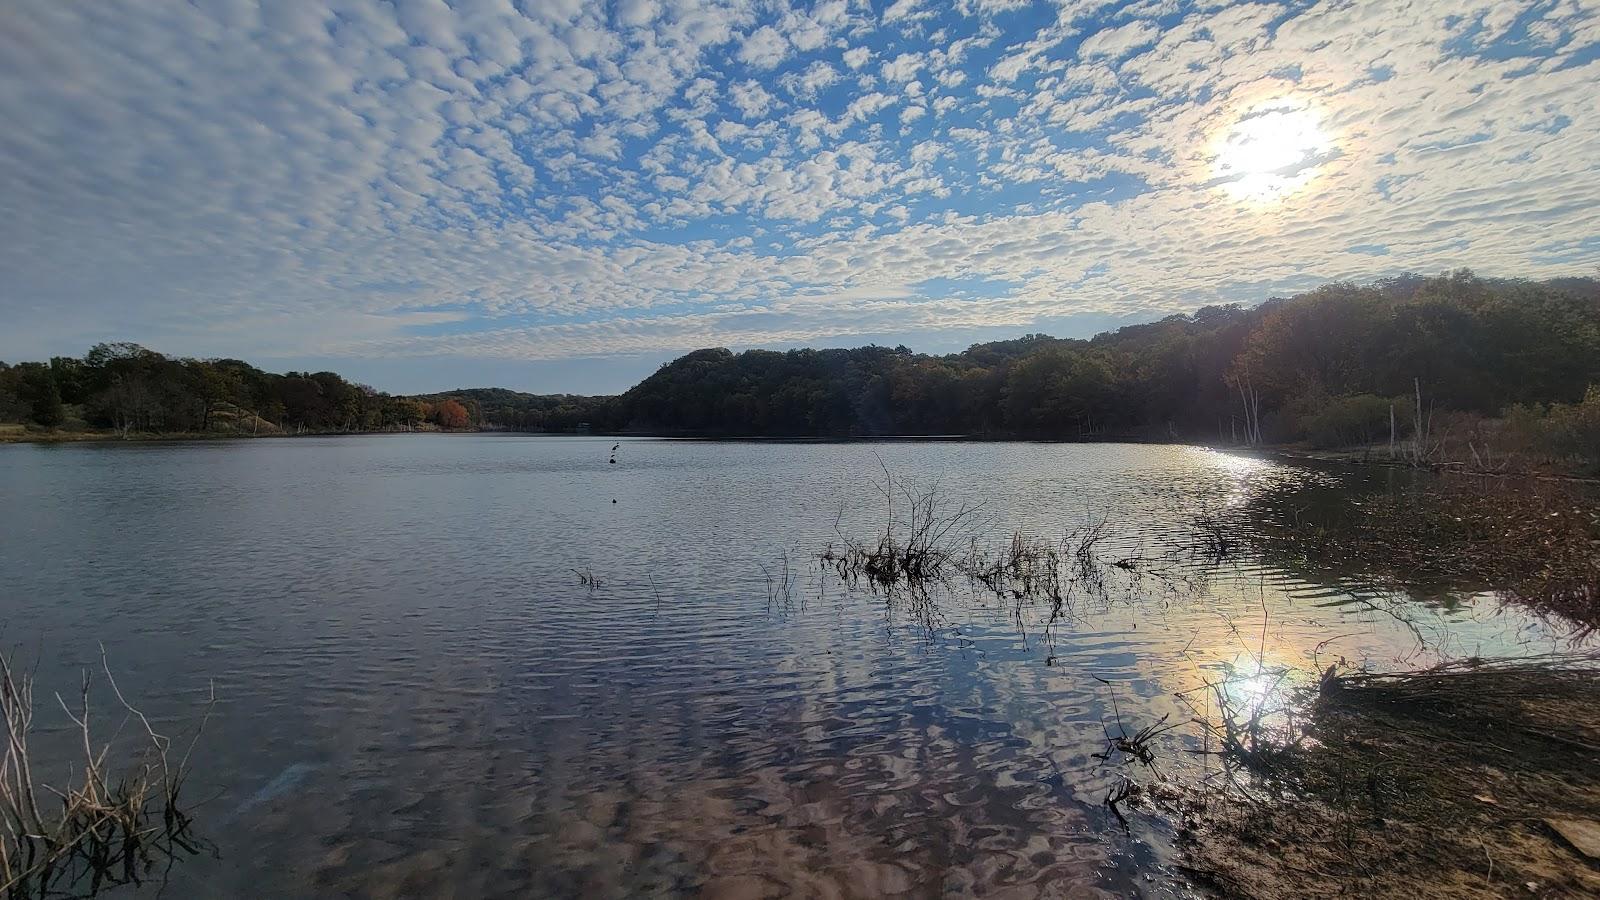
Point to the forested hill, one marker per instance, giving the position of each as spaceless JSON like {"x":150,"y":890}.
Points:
{"x":1327,"y":363}
{"x":1332,"y":365}
{"x":128,"y":389}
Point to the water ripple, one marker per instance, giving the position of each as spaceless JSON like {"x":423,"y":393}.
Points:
{"x":419,"y":698}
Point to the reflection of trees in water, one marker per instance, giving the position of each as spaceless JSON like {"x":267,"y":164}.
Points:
{"x":1438,"y":540}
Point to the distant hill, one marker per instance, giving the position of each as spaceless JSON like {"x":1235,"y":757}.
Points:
{"x":1331,"y":364}
{"x":1278,"y":371}
{"x":501,"y":408}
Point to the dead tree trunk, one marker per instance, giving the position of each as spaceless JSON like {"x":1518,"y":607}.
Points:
{"x":1419,"y":437}
{"x":1250,"y":400}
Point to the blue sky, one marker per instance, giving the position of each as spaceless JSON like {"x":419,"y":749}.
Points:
{"x":562,"y":195}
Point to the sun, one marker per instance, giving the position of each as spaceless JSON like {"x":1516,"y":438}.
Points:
{"x":1271,"y":151}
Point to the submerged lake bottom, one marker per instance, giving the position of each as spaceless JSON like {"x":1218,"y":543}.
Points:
{"x":491,"y":665}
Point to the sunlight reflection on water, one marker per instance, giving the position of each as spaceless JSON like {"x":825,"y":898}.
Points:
{"x":397,"y":622}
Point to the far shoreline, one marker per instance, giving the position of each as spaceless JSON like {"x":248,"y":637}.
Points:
{"x":1373,"y":457}
{"x":111,"y":437}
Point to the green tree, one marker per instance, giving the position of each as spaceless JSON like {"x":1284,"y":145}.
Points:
{"x":40,"y":395}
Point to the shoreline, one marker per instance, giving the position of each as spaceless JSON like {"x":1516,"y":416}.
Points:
{"x":1365,"y":459}
{"x":1470,"y":779}
{"x":110,"y":437}
{"x":70,"y":437}
{"x":1286,"y":453}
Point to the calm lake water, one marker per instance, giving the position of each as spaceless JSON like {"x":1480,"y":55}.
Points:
{"x":418,"y":697}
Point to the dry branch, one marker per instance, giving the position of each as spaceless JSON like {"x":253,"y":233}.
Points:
{"x":108,"y":824}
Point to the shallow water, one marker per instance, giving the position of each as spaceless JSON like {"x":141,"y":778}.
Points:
{"x":418,"y":697}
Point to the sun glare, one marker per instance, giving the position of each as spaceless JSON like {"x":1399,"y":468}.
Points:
{"x":1271,"y":151}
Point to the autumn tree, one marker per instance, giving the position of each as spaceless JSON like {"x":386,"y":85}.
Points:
{"x":450,"y":414}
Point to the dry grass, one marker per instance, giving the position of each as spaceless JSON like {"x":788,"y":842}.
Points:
{"x":114,"y":817}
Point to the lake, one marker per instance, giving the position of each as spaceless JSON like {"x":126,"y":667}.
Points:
{"x":423,"y":692}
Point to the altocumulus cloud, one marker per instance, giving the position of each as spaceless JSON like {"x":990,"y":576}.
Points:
{"x":544,"y":180}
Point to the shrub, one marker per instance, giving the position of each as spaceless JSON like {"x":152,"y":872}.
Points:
{"x":1573,"y":429}
{"x":1350,"y":421}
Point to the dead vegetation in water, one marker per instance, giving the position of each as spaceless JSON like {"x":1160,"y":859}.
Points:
{"x":916,"y":550}
{"x":1249,"y":723}
{"x":1024,"y":566}
{"x":118,"y":814}
{"x":1030,"y":567}
{"x":1471,"y":779}
{"x":1535,"y":542}
{"x":780,"y":584}
{"x":919,"y":543}
{"x":1134,"y":745}
{"x":928,"y":544}
{"x":1214,"y":537}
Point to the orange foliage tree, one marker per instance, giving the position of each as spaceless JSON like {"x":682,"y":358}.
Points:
{"x":450,"y":414}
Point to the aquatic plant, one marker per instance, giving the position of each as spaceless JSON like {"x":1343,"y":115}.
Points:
{"x":107,"y":824}
{"x":1025,"y":567}
{"x":929,"y":543}
{"x":1133,"y":744}
{"x":919,"y":543}
{"x":780,"y":584}
{"x":1212,"y":536}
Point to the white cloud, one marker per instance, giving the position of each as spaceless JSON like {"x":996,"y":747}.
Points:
{"x":805,"y":33}
{"x":764,"y":48}
{"x":636,"y":13}
{"x":817,"y":77}
{"x":903,"y":67}
{"x":1118,"y":42}
{"x":900,"y":9}
{"x":866,"y":106}
{"x":278,"y":180}
{"x":601,"y":144}
{"x":751,"y":99}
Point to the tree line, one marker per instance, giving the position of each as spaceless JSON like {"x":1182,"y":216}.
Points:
{"x":1331,"y":365}
{"x":130,"y":389}
{"x":1341,"y":364}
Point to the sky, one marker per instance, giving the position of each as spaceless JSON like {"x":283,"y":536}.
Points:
{"x":558,"y":195}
